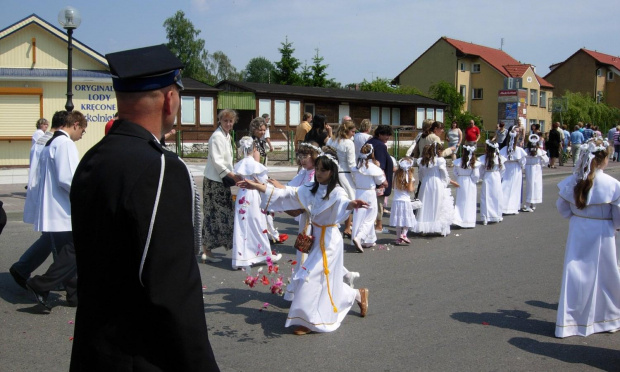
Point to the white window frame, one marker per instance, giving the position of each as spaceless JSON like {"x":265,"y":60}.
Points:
{"x":439,"y":115}
{"x":532,"y":121}
{"x":533,"y":97}
{"x":463,"y":66}
{"x":395,"y":116}
{"x":419,"y":117}
{"x":188,"y":110}
{"x":264,"y":107}
{"x":610,"y":76}
{"x":375,"y":115}
{"x":385,"y":115}
{"x":542,"y":126}
{"x":207,"y":110}
{"x":542,"y":102}
{"x":279,"y":117}
{"x":599,"y":72}
{"x":475,"y":68}
{"x":294,"y":112}
{"x":476,"y":97}
{"x":463,"y":91}
{"x":430,"y":113}
{"x":343,"y":110}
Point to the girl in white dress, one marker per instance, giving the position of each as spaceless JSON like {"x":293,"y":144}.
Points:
{"x":491,"y":171}
{"x":367,"y":175}
{"x":401,"y":215}
{"x":250,"y":241}
{"x":322,"y":300}
{"x":342,"y":142}
{"x":590,"y":294}
{"x":535,"y":160}
{"x":467,"y":174}
{"x":512,"y":179}
{"x":437,"y":211}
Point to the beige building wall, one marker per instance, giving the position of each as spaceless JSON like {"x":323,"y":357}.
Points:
{"x":490,"y":81}
{"x":93,"y":97}
{"x":436,"y":64}
{"x":538,"y":111}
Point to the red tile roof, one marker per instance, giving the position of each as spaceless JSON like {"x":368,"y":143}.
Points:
{"x":500,"y":60}
{"x":604,"y":58}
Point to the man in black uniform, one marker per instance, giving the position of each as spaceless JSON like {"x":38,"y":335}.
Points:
{"x":139,"y":286}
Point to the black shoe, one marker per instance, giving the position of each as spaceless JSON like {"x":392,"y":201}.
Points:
{"x":20,"y":280}
{"x":41,"y":299}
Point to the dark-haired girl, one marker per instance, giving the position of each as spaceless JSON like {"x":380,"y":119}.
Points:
{"x":535,"y":160}
{"x":321,"y":300}
{"x":491,"y":171}
{"x":467,"y":174}
{"x":590,"y":295}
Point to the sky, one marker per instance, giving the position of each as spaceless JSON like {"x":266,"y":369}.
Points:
{"x":358,"y":40}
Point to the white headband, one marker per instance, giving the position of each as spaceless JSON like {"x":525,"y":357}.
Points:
{"x":306,"y":144}
{"x":405,"y":164}
{"x":534,"y":138}
{"x":247,"y":144}
{"x":583,"y":165}
{"x":330,"y":157}
{"x":491,"y":144}
{"x":471,"y":149}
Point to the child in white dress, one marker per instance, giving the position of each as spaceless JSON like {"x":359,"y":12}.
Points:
{"x":535,"y":160}
{"x":250,"y":241}
{"x":401,"y":215}
{"x":491,"y":171}
{"x":366,"y":175}
{"x":322,"y":300}
{"x":590,"y":294}
{"x":437,"y":211}
{"x":512,"y":179}
{"x":467,"y":174}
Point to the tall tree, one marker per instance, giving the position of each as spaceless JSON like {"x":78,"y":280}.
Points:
{"x":219,"y":67}
{"x":305,"y":78}
{"x":286,"y":68}
{"x":259,"y":70}
{"x":184,"y":42}
{"x":447,"y":93}
{"x":319,"y":76}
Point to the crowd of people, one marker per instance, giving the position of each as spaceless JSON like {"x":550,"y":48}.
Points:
{"x":111,"y":218}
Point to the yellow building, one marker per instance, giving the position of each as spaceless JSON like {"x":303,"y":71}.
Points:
{"x":589,"y":72}
{"x":33,"y":84}
{"x":479,"y":73}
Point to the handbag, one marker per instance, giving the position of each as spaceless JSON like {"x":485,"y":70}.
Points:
{"x":416,"y":204}
{"x":303,"y":243}
{"x":228,"y":181}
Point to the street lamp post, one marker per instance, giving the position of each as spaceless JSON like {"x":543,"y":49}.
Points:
{"x":70,"y":19}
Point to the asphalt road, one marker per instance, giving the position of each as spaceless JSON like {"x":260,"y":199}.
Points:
{"x":481,"y":299}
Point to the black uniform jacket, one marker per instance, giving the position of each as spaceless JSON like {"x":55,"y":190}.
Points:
{"x":140,"y":311}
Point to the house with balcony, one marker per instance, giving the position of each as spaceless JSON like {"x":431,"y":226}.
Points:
{"x":480,"y":73}
{"x":589,"y":72}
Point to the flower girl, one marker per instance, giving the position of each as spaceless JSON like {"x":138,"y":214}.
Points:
{"x":491,"y":172}
{"x":467,"y":174}
{"x":512,"y":179}
{"x":535,"y":160}
{"x":402,"y":216}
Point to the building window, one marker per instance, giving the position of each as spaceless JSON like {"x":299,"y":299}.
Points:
{"x":280,"y":112}
{"x":419,"y":118}
{"x":599,"y":72}
{"x":463,"y":91}
{"x":395,"y":116}
{"x":476,"y":93}
{"x":430,"y":113}
{"x":475,"y":67}
{"x":264,"y":107}
{"x":385,"y":115}
{"x":206,"y":110}
{"x":309,"y":107}
{"x":439,"y":115}
{"x":542,"y":126}
{"x":374,"y":115}
{"x":534,"y":97}
{"x":294,"y":112}
{"x":543,"y":99}
{"x":188,"y":110}
{"x":532,"y":122}
{"x":463,"y":66}
{"x":610,"y":75}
